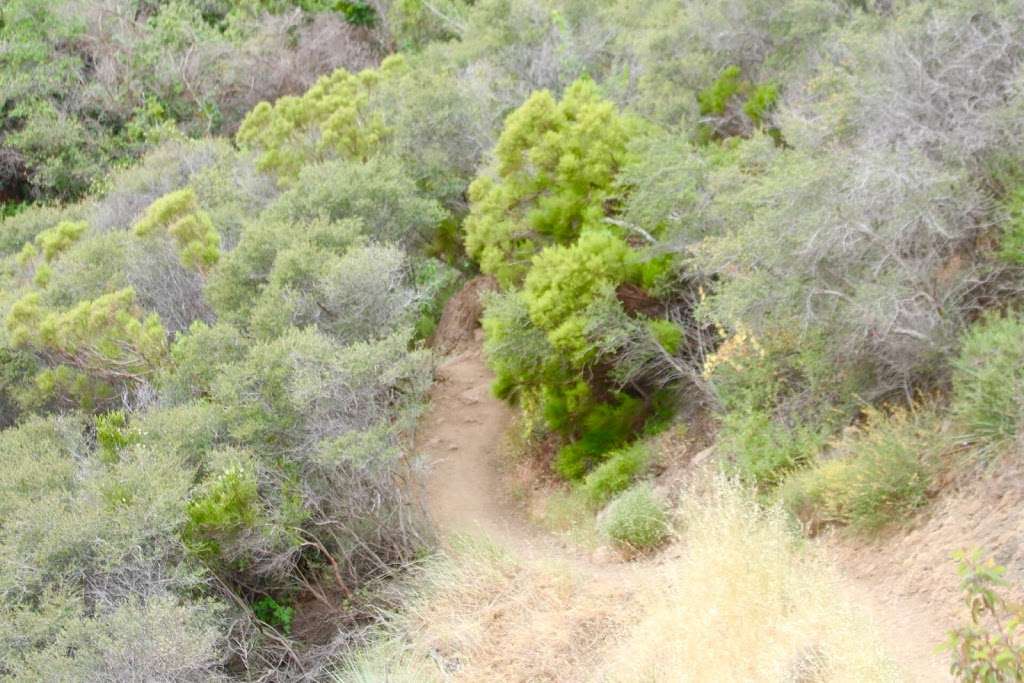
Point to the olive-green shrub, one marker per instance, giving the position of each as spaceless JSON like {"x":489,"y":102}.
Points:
{"x":878,"y":473}
{"x":988,"y":378}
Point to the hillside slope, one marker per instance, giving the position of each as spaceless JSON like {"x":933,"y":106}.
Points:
{"x":541,"y":587}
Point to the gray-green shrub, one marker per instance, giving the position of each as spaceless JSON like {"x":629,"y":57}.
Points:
{"x":636,"y":520}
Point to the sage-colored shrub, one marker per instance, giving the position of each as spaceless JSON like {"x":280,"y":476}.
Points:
{"x":636,"y":520}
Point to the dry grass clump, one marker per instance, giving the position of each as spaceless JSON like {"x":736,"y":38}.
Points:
{"x":746,"y":602}
{"x":480,"y":615}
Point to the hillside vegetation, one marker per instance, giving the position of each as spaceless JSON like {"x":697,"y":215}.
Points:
{"x":228,"y":231}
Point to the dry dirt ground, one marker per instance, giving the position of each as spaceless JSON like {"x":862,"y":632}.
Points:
{"x":909,"y":577}
{"x":462,"y":435}
{"x":907,"y":583}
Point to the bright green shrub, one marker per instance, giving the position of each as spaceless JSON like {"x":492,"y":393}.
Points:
{"x":760,"y":101}
{"x":224,"y":507}
{"x":113,"y":435}
{"x":636,"y":520}
{"x":715,"y":98}
{"x":1011,"y":243}
{"x":730,"y":87}
{"x":191,"y":228}
{"x":518,"y":352}
{"x":25,"y":226}
{"x":540,"y":223}
{"x":594,"y":428}
{"x":565,"y":280}
{"x":58,"y":238}
{"x":615,"y":474}
{"x":667,"y":333}
{"x":269,"y":610}
{"x":105,"y":340}
{"x":86,"y":269}
{"x":555,"y":163}
{"x":877,"y":473}
{"x":988,"y":378}
{"x":331,"y":120}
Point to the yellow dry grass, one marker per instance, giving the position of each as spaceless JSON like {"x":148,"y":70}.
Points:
{"x":482,"y":615}
{"x":746,"y":601}
{"x":737,"y":598}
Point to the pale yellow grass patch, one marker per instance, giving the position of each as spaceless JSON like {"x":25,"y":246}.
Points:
{"x":746,"y":601}
{"x":488,"y":617}
{"x":478,"y":614}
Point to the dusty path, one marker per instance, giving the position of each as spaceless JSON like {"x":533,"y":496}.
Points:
{"x":909,"y":628}
{"x":461,"y":435}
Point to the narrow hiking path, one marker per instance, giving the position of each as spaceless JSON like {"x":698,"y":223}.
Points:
{"x":463,"y":435}
{"x":911,"y":630}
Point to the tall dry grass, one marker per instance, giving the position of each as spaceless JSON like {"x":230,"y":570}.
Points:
{"x":746,"y":600}
{"x":480,"y":614}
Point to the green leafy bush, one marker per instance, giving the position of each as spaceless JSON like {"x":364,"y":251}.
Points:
{"x":269,"y":610}
{"x":636,"y":520}
{"x":113,"y":434}
{"x":991,"y":647}
{"x":60,"y":237}
{"x":330,"y":120}
{"x":538,"y":224}
{"x":761,"y":100}
{"x":95,"y":347}
{"x":555,"y":163}
{"x":988,"y":378}
{"x":594,"y":427}
{"x":715,"y":98}
{"x":178,"y":213}
{"x":26,"y":225}
{"x":226,"y":507}
{"x":765,"y":449}
{"x":615,"y":474}
{"x":564,"y":281}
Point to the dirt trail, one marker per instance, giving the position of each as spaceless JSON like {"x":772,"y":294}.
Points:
{"x":462,"y":436}
{"x":909,"y":628}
